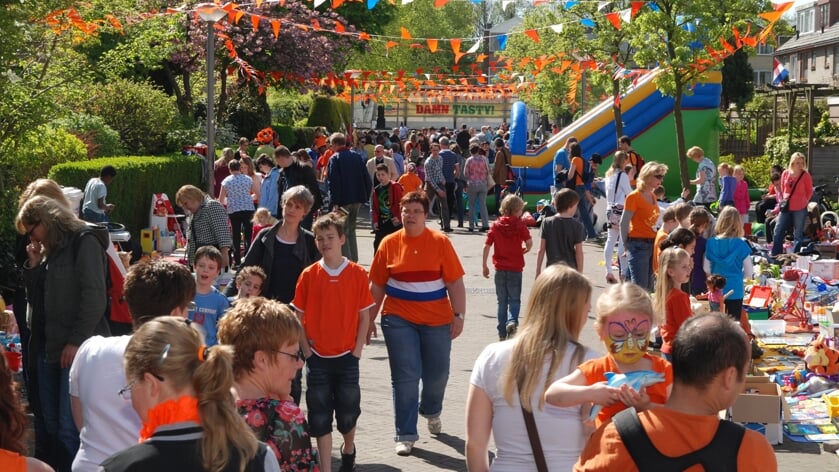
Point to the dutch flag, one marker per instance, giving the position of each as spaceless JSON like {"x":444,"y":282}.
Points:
{"x":779,"y":73}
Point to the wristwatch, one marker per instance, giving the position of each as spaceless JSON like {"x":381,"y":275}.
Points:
{"x":461,"y":316}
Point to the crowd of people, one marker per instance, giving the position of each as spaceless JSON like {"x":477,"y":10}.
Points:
{"x":212,"y":381}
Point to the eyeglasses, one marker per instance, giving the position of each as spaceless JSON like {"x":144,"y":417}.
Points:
{"x":297,"y":357}
{"x":29,"y":233}
{"x":125,"y":392}
{"x":659,"y":176}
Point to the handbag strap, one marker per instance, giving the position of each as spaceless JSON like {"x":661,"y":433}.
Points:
{"x":795,"y":185}
{"x":533,"y":436}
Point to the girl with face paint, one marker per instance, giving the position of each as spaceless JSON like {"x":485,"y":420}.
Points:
{"x":624,"y":317}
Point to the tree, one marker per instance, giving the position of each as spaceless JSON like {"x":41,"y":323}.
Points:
{"x":737,"y":80}
{"x":673,"y":34}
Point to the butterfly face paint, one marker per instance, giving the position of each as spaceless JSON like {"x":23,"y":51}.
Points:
{"x":627,"y":336}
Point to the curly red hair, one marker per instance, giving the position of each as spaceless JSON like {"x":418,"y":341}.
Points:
{"x":12,"y":418}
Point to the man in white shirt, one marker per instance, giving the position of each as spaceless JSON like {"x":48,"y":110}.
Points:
{"x":94,"y":208}
{"x":107,"y":423}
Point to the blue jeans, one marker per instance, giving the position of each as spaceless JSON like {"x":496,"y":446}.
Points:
{"x":584,"y":212}
{"x":54,"y":393}
{"x":416,"y":353}
{"x":477,"y":205}
{"x":639,"y":258}
{"x":332,"y":385}
{"x":508,"y":293}
{"x":782,"y":224}
{"x":94,"y":217}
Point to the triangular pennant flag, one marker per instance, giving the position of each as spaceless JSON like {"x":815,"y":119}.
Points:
{"x":533,"y":34}
{"x":455,"y":42}
{"x":771,"y":16}
{"x":654,"y":6}
{"x":502,"y":42}
{"x":339,"y":27}
{"x":557,"y":28}
{"x":363,"y":36}
{"x":406,"y":35}
{"x":440,"y":3}
{"x":570,"y":3}
{"x":432,"y":44}
{"x":783,"y":7}
{"x":319,"y":3}
{"x":255,"y":21}
{"x":636,"y":7}
{"x":602,"y":4}
{"x":275,"y":25}
{"x":474,"y":48}
{"x":337,"y":3}
{"x":371,"y":4}
{"x":615,"y":19}
{"x":588,"y":22}
{"x":626,"y":15}
{"x":480,"y":57}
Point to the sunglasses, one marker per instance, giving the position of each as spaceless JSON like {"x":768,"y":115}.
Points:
{"x":659,"y":176}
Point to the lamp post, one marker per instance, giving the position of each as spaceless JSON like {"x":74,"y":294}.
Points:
{"x":210,"y":13}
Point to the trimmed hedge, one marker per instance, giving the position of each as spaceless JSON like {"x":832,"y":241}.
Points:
{"x":138,"y":177}
{"x":333,"y":113}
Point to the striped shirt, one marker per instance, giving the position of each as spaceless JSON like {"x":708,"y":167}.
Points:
{"x":208,"y":227}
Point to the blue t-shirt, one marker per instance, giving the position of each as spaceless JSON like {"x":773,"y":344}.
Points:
{"x":209,"y":308}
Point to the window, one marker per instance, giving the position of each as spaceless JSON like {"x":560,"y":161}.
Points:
{"x":765,"y":49}
{"x":835,"y":59}
{"x":806,"y":20}
{"x":813,"y":59}
{"x":762,"y":77}
{"x":793,"y":67}
{"x":824,"y":16}
{"x":826,"y":58}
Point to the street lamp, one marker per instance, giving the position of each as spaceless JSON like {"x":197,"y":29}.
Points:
{"x":210,"y":13}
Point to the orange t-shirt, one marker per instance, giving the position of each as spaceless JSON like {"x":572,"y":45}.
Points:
{"x":674,"y":434}
{"x":12,"y":461}
{"x":415,"y":273}
{"x":323,"y":162}
{"x":579,"y":166}
{"x":410,"y":182}
{"x":677,"y":311}
{"x":595,"y":371}
{"x":331,"y":301}
{"x":645,"y":215}
{"x":320,"y":141}
{"x":659,"y":237}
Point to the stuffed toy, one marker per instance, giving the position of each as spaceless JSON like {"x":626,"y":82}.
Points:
{"x":822,"y":359}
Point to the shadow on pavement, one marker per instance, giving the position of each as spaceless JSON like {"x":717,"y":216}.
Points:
{"x":441,"y":461}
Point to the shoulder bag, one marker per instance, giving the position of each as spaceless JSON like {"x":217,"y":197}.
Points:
{"x":784,"y":205}
{"x":615,"y":209}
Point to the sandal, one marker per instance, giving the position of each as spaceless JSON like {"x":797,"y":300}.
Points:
{"x":610,"y":279}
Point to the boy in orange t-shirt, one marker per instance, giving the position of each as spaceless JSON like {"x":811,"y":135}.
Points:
{"x":333,"y":300}
{"x":410,"y":181}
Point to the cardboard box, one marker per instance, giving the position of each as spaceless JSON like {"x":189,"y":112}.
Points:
{"x":826,"y":269}
{"x":762,"y":403}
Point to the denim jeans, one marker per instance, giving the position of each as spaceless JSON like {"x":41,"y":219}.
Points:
{"x":639,"y":258}
{"x":584,"y":212}
{"x":54,"y":393}
{"x":332,"y":385}
{"x":94,"y":217}
{"x":416,"y":353}
{"x":477,"y":205}
{"x":782,"y":224}
{"x":350,"y":247}
{"x":508,"y":293}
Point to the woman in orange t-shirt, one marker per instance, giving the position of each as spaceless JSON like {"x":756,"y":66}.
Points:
{"x":12,"y":445}
{"x":639,"y":224}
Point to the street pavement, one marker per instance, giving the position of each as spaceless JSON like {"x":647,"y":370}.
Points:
{"x":374,"y":439}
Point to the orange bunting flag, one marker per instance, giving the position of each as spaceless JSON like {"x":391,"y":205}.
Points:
{"x":636,"y":7}
{"x":416,"y":46}
{"x":406,"y":35}
{"x":533,"y":34}
{"x":440,"y":3}
{"x":456,"y":49}
{"x":783,"y":7}
{"x":481,"y":57}
{"x":259,"y":3}
{"x":728,"y":47}
{"x":114,"y":22}
{"x":615,"y":19}
{"x":339,"y":28}
{"x":255,"y":21}
{"x":275,"y":25}
{"x":432,"y":44}
{"x":316,"y":25}
{"x":337,"y":3}
{"x":363,"y":36}
{"x":391,"y":44}
{"x":771,"y":16}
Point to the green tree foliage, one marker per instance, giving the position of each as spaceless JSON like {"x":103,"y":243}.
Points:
{"x":737,"y":80}
{"x":101,"y":140}
{"x":247,"y":111}
{"x":674,"y":36}
{"x":332,"y":113}
{"x":141,"y":113}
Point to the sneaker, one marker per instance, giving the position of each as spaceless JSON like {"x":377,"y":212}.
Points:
{"x":447,"y":230}
{"x":511,"y":328}
{"x":404,"y":448}
{"x":435,"y":425}
{"x":347,"y":461}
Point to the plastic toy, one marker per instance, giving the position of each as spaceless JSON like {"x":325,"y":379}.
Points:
{"x":822,"y":359}
{"x":637,"y":380}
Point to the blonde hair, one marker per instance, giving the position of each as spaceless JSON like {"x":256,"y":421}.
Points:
{"x":257,"y":324}
{"x":795,"y":156}
{"x":554,"y":320}
{"x":618,"y":163}
{"x":298,"y":194}
{"x":739,"y":168}
{"x":650,"y":168}
{"x":189,"y":192}
{"x":245,"y":160}
{"x":211,"y":378}
{"x":729,"y":224}
{"x":664,"y":283}
{"x":44,"y":187}
{"x":622,"y":297}
{"x":262,"y":216}
{"x":724,"y":167}
{"x":695,"y":152}
{"x":511,"y":204}
{"x":60,"y":224}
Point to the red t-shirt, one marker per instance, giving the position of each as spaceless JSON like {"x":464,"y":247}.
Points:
{"x":12,"y":461}
{"x":508,"y":233}
{"x":677,"y":311}
{"x":595,"y":371}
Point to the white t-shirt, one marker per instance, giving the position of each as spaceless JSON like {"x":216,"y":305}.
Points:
{"x":110,"y":423}
{"x":560,"y":429}
{"x":620,"y":181}
{"x":93,"y":191}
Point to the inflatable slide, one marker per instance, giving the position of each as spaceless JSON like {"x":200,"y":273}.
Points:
{"x":647,"y":119}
